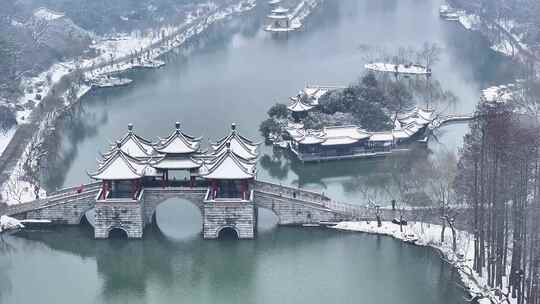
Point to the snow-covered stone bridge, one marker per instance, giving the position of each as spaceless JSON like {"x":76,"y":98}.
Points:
{"x":292,"y":206}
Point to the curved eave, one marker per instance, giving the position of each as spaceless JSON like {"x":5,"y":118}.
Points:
{"x":231,"y":167}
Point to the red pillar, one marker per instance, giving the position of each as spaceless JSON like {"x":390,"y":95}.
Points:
{"x":103,"y":189}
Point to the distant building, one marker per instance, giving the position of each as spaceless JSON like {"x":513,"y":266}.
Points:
{"x":341,"y":142}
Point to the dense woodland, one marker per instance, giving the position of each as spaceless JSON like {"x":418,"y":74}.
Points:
{"x":498,"y":176}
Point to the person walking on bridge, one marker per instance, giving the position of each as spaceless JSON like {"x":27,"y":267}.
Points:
{"x":80,"y":189}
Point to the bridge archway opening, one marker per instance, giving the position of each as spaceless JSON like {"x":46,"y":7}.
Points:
{"x":228,"y":233}
{"x":179,"y":219}
{"x":118,"y":233}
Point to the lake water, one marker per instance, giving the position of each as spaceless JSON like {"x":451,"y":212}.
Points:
{"x":233,"y":73}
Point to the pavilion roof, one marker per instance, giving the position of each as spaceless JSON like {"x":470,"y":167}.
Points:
{"x":240,"y":145}
{"x":178,"y":143}
{"x":280,"y":10}
{"x":416,"y":115}
{"x":229,"y":165}
{"x":298,"y":106}
{"x":311,"y":137}
{"x":120,"y":166}
{"x":314,"y":93}
{"x":134,"y":145}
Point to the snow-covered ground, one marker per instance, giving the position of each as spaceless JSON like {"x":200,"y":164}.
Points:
{"x":9,"y":223}
{"x":120,"y":49}
{"x":504,"y":45}
{"x":501,"y":93}
{"x":430,"y":235}
{"x":399,"y":68}
{"x":5,"y":138}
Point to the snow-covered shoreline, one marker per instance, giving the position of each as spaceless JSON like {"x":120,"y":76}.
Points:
{"x":506,"y":45}
{"x":124,"y":53}
{"x":430,"y":235}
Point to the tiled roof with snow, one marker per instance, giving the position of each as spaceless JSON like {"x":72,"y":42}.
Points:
{"x":136,"y":146}
{"x":240,"y":145}
{"x":178,"y":143}
{"x":298,"y":106}
{"x":229,"y":166}
{"x":280,"y":10}
{"x":119,"y":166}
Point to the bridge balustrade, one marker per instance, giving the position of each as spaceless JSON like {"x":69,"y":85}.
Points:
{"x":175,"y":183}
{"x":230,"y":197}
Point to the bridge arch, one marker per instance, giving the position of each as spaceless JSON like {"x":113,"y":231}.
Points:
{"x":155,"y":197}
{"x":118,"y":232}
{"x":228,"y":232}
{"x":177,"y":218}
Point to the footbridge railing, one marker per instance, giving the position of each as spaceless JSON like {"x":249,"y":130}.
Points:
{"x":61,"y":196}
{"x":314,"y":199}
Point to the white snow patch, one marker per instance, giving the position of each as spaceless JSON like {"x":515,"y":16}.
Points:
{"x":412,"y":69}
{"x":9,"y":223}
{"x":5,"y":138}
{"x":47,"y":14}
{"x":469,"y":21}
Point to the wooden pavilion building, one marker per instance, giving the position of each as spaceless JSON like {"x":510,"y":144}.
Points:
{"x":178,"y":152}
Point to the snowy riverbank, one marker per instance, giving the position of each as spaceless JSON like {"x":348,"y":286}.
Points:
{"x":430,"y":235}
{"x":507,"y":43}
{"x":116,"y":54}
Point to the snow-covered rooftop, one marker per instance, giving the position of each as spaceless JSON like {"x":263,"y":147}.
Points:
{"x":239,"y":144}
{"x":352,"y":132}
{"x":120,"y":166}
{"x":229,"y":166}
{"x":136,"y":146}
{"x":298,"y":106}
{"x":382,"y":136}
{"x":280,"y":10}
{"x":178,"y":143}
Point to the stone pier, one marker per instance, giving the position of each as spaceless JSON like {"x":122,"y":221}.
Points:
{"x":240,"y":216}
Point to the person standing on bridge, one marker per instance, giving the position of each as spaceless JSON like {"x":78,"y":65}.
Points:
{"x":80,"y":189}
